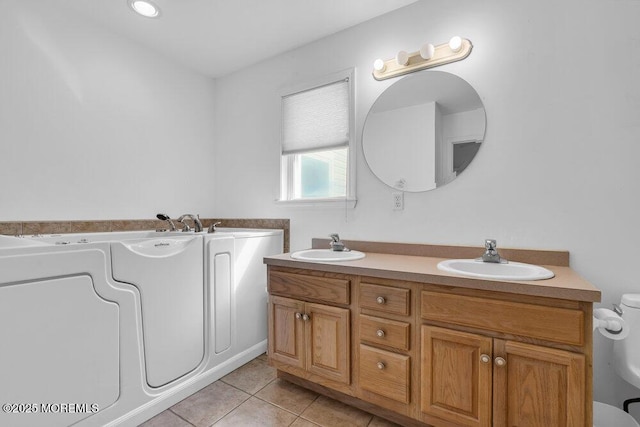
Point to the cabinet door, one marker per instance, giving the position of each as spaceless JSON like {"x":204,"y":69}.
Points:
{"x":327,"y":332}
{"x":286,"y":331}
{"x":456,"y":376}
{"x":538,"y":386}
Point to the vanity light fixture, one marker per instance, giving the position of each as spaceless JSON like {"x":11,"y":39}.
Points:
{"x":428,"y":56}
{"x":378,"y":65}
{"x":402,"y":58}
{"x":145,"y":8}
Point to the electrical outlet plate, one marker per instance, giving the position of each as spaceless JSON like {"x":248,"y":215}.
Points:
{"x":398,"y":201}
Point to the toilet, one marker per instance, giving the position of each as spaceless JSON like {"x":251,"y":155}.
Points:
{"x":609,"y":416}
{"x":625,"y":364}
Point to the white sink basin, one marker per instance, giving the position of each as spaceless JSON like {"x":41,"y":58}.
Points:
{"x":327,"y":255}
{"x":488,"y":270}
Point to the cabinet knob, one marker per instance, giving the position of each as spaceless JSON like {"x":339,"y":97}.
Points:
{"x":380,"y":333}
{"x":298,"y":316}
{"x":381,"y":365}
{"x":305,"y":317}
{"x":381,"y":300}
{"x":484,"y":358}
{"x":500,"y":361}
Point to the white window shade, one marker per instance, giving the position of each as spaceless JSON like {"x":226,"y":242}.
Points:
{"x":316,"y":119}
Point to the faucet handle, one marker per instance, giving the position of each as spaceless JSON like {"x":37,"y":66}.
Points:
{"x":490,"y":244}
{"x":336,"y":244}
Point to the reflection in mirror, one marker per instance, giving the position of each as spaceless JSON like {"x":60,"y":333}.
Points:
{"x":423,"y":131}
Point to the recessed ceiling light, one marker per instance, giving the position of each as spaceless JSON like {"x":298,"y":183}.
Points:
{"x":145,"y":8}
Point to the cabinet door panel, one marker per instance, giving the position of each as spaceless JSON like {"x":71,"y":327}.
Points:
{"x":328,"y":348}
{"x":456,"y":384}
{"x":286,"y":332}
{"x":538,"y":386}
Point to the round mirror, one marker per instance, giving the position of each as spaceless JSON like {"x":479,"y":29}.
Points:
{"x":423,"y":131}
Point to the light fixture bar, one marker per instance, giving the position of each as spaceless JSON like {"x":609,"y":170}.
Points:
{"x":442,"y":54}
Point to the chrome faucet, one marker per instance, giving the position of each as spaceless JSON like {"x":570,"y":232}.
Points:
{"x":491,"y":254}
{"x":165,"y":217}
{"x":197,"y":225}
{"x":212,"y":227}
{"x":337,"y":244}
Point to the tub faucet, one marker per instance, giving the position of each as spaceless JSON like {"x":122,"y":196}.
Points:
{"x":337,"y":244}
{"x":165,"y":217}
{"x":197,"y":225}
{"x":491,"y":254}
{"x":212,"y":227}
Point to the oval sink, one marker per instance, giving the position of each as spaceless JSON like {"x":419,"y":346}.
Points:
{"x":488,"y":270}
{"x":327,"y":255}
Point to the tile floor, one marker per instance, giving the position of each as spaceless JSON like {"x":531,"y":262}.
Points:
{"x":253,"y":396}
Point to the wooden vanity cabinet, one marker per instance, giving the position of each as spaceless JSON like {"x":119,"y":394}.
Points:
{"x":440,"y":355}
{"x":308,"y":337}
{"x":486,"y":379}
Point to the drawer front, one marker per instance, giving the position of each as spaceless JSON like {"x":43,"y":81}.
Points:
{"x":314,"y":288}
{"x":555,"y":324}
{"x":384,"y":332}
{"x":385,"y":373}
{"x":386,"y":299}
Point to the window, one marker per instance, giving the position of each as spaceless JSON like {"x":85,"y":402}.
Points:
{"x":317,"y":148}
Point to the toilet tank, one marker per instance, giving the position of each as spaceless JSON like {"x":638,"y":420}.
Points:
{"x":626,"y":351}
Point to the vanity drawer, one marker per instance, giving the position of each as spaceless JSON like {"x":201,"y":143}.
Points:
{"x":555,"y":324}
{"x":384,"y":332}
{"x":314,"y":288}
{"x":386,"y":299}
{"x":385,"y":373}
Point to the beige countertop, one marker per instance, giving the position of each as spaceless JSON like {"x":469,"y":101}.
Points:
{"x":566,"y":284}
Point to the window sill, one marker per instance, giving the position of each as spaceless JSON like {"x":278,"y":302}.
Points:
{"x":340,"y":203}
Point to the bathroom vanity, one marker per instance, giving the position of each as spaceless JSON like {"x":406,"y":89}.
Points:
{"x":399,"y":338}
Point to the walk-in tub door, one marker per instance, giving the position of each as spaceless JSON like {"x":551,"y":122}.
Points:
{"x":59,"y":348}
{"x":168,"y":272}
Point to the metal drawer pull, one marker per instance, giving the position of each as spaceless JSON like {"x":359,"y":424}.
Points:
{"x":381,"y":365}
{"x":381,"y":300}
{"x":500,"y":361}
{"x":298,"y":316}
{"x":305,"y":317}
{"x":484,"y":358}
{"x":380,"y":333}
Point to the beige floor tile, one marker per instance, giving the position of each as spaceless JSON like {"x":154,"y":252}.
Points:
{"x":251,"y":377}
{"x":166,"y":419}
{"x":255,"y":412}
{"x":381,"y":422}
{"x":331,"y":413}
{"x":263,"y":356}
{"x":210,"y":404}
{"x":301,"y":422}
{"x":287,"y":396}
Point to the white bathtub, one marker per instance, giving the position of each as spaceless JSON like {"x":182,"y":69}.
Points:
{"x":73,"y":346}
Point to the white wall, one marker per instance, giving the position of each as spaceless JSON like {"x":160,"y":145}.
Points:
{"x":92,"y":126}
{"x":556,"y":79}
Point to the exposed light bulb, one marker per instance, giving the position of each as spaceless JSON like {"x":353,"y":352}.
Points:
{"x":402,"y":58}
{"x":427,"y":50}
{"x":455,"y":44}
{"x":145,"y":8}
{"x":378,"y":65}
